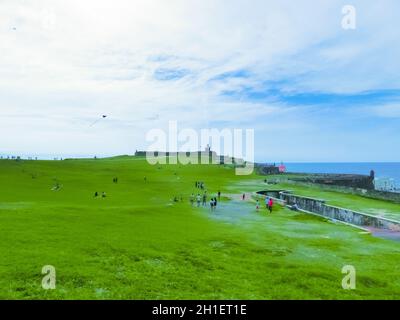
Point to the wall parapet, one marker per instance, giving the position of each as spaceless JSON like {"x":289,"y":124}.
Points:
{"x":319,"y":207}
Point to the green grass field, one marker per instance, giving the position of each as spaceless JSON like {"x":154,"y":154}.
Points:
{"x":139,"y":244}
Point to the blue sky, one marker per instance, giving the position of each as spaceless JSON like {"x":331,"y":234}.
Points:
{"x":311,"y":90}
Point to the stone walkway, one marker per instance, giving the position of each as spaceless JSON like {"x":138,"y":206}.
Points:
{"x":385,"y":234}
{"x":238,"y":196}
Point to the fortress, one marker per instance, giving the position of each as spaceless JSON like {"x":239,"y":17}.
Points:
{"x":207,"y":156}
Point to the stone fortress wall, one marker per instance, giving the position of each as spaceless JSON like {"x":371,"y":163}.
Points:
{"x":319,"y":207}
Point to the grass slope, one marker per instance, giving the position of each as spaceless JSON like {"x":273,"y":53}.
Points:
{"x":138,"y":244}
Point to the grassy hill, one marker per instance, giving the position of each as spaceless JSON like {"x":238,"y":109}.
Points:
{"x":137,"y":243}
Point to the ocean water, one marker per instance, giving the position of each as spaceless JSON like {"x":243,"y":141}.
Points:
{"x":382,"y":169}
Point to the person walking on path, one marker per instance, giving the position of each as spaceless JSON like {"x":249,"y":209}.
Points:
{"x":270,"y":205}
{"x":243,"y":196}
{"x":204,"y":199}
{"x":219,"y":195}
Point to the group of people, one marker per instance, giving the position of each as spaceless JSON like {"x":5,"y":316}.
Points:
{"x":199,"y":185}
{"x":177,"y":199}
{"x":103,"y":194}
{"x":201,"y":199}
{"x":269,"y":203}
{"x":213,"y":204}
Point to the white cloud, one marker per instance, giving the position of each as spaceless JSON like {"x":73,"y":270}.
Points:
{"x":386,"y":110}
{"x":68,"y":62}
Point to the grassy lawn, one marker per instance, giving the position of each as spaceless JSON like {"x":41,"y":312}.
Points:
{"x":138,"y":244}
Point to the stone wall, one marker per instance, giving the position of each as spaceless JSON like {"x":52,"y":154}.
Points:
{"x":266,"y":169}
{"x":319,"y":207}
{"x":373,"y":194}
{"x":382,"y":195}
{"x":344,"y":180}
{"x":359,"y":218}
{"x":274,"y":194}
{"x":271,"y":193}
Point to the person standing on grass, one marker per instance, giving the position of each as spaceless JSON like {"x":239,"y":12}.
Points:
{"x":257,"y":205}
{"x":192,"y":199}
{"x":270,"y":205}
{"x":204,"y":199}
{"x":266,"y":202}
{"x":243,"y":196}
{"x":212,"y":204}
{"x":219,"y":195}
{"x":198,"y":199}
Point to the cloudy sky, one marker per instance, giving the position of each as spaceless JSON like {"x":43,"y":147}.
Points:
{"x":311,"y":90}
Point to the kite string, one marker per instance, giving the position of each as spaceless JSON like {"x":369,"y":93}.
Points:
{"x":94,"y":122}
{"x":102,"y":117}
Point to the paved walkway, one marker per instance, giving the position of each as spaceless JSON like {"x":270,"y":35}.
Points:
{"x":385,"y":234}
{"x":238,"y":196}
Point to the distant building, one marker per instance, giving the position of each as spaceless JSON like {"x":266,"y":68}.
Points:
{"x":140,"y":153}
{"x":203,"y":157}
{"x":282,"y":168}
{"x":206,"y":156}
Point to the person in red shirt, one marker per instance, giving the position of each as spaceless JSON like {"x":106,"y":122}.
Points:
{"x":270,"y":205}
